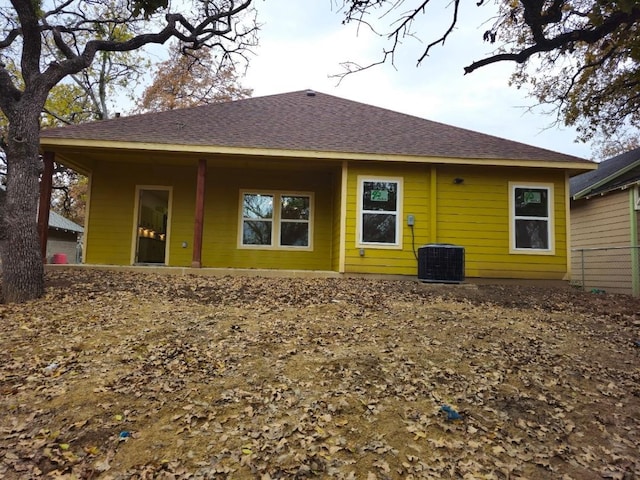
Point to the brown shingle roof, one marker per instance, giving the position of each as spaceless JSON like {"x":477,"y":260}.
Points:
{"x":300,"y":121}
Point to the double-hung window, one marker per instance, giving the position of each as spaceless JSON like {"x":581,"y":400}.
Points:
{"x":379,"y":211}
{"x":294,"y":220}
{"x":531,"y":217}
{"x":276,"y":220}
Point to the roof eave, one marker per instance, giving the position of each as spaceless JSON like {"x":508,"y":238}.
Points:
{"x":585,"y":191}
{"x":61,"y":229}
{"x":574,"y":167}
{"x":599,"y":193}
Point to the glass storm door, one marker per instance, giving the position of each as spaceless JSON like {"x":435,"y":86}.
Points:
{"x":151,"y":234}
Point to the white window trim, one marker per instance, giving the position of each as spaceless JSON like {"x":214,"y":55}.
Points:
{"x":360,"y":212}
{"x":550,"y":219}
{"x":276,"y":221}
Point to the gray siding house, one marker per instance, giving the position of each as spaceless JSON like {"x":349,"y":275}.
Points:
{"x":63,"y":241}
{"x":605,"y":207}
{"x":64,"y":236}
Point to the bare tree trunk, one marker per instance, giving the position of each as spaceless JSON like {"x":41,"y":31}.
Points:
{"x":3,"y":227}
{"x":22,"y":267}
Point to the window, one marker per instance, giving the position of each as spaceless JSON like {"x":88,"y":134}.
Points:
{"x":257,"y":219}
{"x":274,"y":220}
{"x":532,"y":223}
{"x":379,"y":205}
{"x":294,"y":221}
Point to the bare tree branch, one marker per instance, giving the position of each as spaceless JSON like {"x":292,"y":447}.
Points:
{"x":11,"y":36}
{"x":446,"y":34}
{"x":534,"y":17}
{"x":589,"y":36}
{"x":56,"y":116}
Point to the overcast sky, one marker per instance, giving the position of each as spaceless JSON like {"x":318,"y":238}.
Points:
{"x":303,"y":42}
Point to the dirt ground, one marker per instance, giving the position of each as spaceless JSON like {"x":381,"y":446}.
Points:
{"x":127,"y":375}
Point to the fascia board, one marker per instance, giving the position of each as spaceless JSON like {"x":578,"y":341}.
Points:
{"x":323,"y":155}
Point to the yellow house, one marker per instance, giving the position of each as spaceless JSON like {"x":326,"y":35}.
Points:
{"x":310,"y":181}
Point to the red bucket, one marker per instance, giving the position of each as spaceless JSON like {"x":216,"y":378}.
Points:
{"x":59,"y":258}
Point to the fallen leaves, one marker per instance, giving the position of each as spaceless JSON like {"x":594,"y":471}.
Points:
{"x":118,"y":375}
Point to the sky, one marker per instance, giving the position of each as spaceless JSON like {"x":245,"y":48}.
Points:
{"x":303,"y":43}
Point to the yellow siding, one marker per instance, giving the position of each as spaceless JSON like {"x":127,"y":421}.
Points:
{"x":220,"y":244}
{"x":415,"y":201}
{"x":108,"y":235}
{"x":111,"y":219}
{"x":474,"y":214}
{"x":111,"y":216}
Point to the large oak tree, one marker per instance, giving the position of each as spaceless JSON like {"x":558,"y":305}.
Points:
{"x":75,"y":28}
{"x":580,"y":56}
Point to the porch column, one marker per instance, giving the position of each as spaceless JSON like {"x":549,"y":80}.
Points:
{"x":45,"y":202}
{"x":342,"y":255}
{"x":196,"y":261}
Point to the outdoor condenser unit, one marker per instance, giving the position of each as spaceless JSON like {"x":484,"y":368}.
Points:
{"x":441,"y":262}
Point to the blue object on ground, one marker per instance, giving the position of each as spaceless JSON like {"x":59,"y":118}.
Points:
{"x":451,"y":413}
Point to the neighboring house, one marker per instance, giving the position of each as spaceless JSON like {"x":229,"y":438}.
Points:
{"x":64,"y":238}
{"x":310,"y":181}
{"x":604,"y":225}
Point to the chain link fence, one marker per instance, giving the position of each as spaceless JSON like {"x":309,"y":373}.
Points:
{"x":605,"y":269}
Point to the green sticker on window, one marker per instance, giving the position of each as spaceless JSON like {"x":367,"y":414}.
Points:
{"x":532,"y":197}
{"x":379,"y":196}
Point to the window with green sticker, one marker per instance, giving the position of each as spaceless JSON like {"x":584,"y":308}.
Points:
{"x":531,"y":218}
{"x":379,"y":211}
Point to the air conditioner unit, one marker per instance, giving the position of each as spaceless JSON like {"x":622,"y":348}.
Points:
{"x":441,"y":263}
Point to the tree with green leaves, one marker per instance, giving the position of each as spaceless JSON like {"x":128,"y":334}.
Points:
{"x":75,"y":30}
{"x":190,"y":78}
{"x":580,"y":56}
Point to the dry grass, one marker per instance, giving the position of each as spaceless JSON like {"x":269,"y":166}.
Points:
{"x":122,"y":375}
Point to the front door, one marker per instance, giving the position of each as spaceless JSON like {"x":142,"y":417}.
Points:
{"x":151,"y":230}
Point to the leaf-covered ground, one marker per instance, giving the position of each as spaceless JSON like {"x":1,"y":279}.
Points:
{"x":127,"y":375}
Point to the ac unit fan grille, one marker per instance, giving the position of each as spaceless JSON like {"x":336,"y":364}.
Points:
{"x":441,"y":263}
